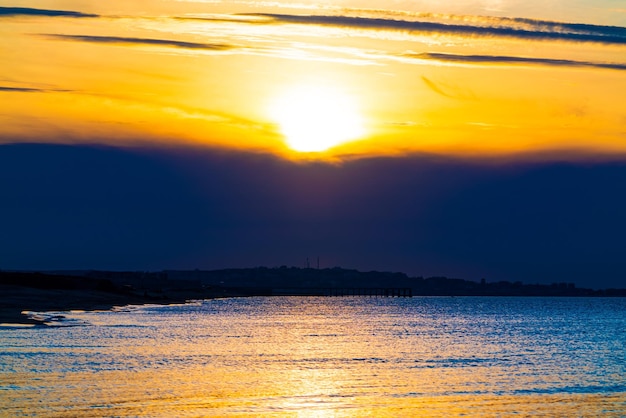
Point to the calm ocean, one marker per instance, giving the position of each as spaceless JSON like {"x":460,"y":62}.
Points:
{"x":324,"y":357}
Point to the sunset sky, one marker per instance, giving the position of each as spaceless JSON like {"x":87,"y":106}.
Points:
{"x":478,"y":138}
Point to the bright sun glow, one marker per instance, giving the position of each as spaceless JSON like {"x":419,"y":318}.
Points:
{"x":314,"y":119}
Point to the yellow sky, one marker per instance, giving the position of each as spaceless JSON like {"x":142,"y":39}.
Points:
{"x":457,"y":83}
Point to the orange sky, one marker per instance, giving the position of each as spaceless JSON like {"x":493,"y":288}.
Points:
{"x":482,"y":79}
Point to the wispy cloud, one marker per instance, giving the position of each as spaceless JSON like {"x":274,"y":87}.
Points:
{"x":300,"y":51}
{"x":509,"y":60}
{"x":27,"y":11}
{"x":431,"y":24}
{"x":21,"y":89}
{"x":527,"y":29}
{"x":143,"y":41}
{"x":11,"y":89}
{"x":452,"y":92}
{"x":222,"y":18}
{"x":434,"y":87}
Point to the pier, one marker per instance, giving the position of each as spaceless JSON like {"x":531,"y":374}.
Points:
{"x":400,"y":292}
{"x":385,"y":292}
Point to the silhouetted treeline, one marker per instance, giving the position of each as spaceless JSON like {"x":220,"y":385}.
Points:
{"x":54,"y":281}
{"x":287,"y":280}
{"x":281,"y":279}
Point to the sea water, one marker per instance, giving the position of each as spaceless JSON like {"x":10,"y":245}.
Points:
{"x":323,"y":357}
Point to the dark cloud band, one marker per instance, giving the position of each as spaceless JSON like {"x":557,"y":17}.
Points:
{"x":508,"y":60}
{"x":21,"y":89}
{"x":142,"y":41}
{"x":27,"y":11}
{"x":495,"y":27}
{"x":10,"y":89}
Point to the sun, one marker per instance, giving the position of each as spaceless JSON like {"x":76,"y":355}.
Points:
{"x":316,"y":118}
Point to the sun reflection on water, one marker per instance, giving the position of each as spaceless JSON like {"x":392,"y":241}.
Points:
{"x":322,"y":357}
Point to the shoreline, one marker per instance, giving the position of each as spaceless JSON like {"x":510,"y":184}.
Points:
{"x":17,"y":299}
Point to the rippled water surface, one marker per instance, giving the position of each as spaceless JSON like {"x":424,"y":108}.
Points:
{"x":324,"y":357}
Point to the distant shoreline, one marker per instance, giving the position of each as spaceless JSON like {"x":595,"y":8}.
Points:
{"x":98,"y":290}
{"x":18,"y":299}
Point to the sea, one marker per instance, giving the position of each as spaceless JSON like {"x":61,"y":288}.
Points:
{"x":323,"y":357}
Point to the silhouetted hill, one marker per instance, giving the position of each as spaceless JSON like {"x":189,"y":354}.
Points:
{"x":87,"y":290}
{"x":284,"y":281}
{"x":53,"y":281}
{"x":293,"y":280}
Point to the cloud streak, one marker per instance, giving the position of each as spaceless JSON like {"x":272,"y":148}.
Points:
{"x":526,"y":29}
{"x":143,"y":41}
{"x":302,"y":52}
{"x":10,"y":89}
{"x":509,"y":60}
{"x":437,"y":89}
{"x":21,"y":89}
{"x":27,"y":11}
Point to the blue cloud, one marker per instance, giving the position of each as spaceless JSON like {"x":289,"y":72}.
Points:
{"x":27,"y":11}
{"x":21,"y":89}
{"x":106,"y":208}
{"x":495,"y":27}
{"x":142,"y":41}
{"x":510,"y":60}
